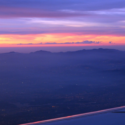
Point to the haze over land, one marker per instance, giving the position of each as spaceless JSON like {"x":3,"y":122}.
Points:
{"x":43,"y":85}
{"x":57,"y":48}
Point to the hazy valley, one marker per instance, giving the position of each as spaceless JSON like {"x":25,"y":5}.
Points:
{"x":43,"y":85}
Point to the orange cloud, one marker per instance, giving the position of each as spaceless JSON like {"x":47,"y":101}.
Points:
{"x":36,"y":39}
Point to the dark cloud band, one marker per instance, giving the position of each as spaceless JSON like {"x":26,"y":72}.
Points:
{"x":52,"y":8}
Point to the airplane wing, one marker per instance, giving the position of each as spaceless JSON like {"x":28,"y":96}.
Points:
{"x":113,"y":116}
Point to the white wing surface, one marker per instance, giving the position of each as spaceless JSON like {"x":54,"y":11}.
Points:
{"x":113,"y":116}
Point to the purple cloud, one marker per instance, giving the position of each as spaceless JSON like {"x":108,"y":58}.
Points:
{"x":84,"y":42}
{"x":50,"y":43}
{"x":103,"y":17}
{"x":54,"y":8}
{"x":89,"y":42}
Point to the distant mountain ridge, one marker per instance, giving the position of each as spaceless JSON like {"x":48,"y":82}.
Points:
{"x":94,"y":50}
{"x":41,"y":52}
{"x":100,"y":50}
{"x":12,"y":52}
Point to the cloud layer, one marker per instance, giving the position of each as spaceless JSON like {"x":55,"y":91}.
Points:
{"x":83,"y":42}
{"x":91,"y":17}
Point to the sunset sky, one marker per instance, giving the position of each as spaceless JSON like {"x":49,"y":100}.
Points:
{"x":42,"y":23}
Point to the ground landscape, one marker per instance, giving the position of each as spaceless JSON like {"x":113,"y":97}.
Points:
{"x":43,"y":85}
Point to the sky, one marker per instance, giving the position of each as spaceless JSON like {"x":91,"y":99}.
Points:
{"x":62,"y":23}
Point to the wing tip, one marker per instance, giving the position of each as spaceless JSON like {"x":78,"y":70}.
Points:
{"x":74,"y":116}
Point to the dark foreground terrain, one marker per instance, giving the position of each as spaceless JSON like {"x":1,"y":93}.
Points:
{"x":44,"y":85}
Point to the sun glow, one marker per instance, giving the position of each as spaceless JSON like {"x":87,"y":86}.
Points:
{"x":59,"y":39}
